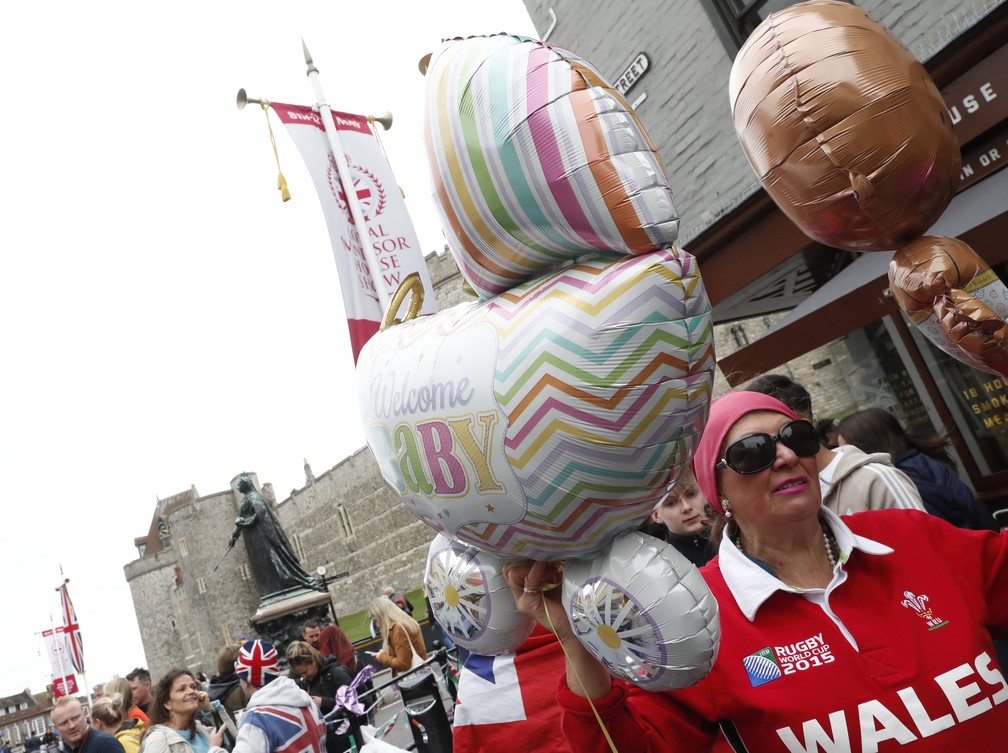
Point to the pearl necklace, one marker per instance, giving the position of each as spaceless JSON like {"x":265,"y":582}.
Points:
{"x":828,"y":542}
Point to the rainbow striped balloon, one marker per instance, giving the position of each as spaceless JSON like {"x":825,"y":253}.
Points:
{"x":543,"y":423}
{"x":535,"y":160}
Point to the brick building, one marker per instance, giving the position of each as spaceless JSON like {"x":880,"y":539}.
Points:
{"x":24,"y":715}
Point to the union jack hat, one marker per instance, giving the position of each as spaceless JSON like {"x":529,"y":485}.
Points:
{"x":257,"y":663}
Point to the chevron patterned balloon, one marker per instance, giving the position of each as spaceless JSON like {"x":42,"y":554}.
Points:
{"x":535,"y":160}
{"x":546,"y":421}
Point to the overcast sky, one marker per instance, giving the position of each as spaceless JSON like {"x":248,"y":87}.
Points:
{"x":167,"y":320}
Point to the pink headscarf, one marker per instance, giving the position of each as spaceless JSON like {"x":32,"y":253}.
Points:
{"x":724,"y":412}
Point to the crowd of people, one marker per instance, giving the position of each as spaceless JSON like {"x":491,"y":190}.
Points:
{"x":860,"y":587}
{"x":250,"y":705}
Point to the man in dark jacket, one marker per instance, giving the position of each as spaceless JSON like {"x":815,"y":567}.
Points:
{"x":78,"y":736}
{"x":225,"y":686}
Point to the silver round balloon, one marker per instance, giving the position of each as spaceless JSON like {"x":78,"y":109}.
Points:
{"x":643,"y":610}
{"x":471,"y":599}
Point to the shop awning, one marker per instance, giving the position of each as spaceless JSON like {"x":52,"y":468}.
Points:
{"x":855,"y":297}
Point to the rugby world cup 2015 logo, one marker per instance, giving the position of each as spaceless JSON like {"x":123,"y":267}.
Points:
{"x":762,"y":667}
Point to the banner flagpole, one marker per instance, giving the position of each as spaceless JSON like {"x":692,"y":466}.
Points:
{"x":59,"y":656}
{"x":346,"y":181}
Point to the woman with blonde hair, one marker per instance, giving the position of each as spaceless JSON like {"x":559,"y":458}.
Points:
{"x":108,"y":714}
{"x":122,"y":686}
{"x":400,"y":631}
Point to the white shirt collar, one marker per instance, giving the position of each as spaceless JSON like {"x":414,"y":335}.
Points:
{"x":751,"y":585}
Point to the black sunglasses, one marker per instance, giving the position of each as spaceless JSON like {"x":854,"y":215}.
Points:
{"x":757,"y":452}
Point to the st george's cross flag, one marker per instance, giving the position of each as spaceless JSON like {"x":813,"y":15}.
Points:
{"x":391,"y":237}
{"x":509,"y":701}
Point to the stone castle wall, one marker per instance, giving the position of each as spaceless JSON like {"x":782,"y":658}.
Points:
{"x":345,"y":519}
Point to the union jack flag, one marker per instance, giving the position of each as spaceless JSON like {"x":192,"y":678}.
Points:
{"x":300,"y":730}
{"x":71,"y":630}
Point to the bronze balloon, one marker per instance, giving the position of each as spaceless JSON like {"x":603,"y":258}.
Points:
{"x":851,"y":139}
{"x":843,"y":126}
{"x":955,"y":299}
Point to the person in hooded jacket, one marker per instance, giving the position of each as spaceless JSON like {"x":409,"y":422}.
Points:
{"x":924,"y":459}
{"x":850,"y":480}
{"x":320,"y":676}
{"x":225,"y":685}
{"x":108,"y":714}
{"x":280,"y":716}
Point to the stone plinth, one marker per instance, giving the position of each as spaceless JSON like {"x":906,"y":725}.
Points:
{"x":280,"y":616}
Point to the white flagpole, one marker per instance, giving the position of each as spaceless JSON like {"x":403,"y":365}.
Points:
{"x":346,"y":180}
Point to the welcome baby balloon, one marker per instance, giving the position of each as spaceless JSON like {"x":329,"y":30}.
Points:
{"x":843,"y":126}
{"x":542,"y":423}
{"x":535,"y":160}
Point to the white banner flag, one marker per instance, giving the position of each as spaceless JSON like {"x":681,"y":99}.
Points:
{"x":59,"y":650}
{"x":392,"y":238}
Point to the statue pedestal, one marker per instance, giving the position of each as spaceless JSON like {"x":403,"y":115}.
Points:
{"x":281,"y":615}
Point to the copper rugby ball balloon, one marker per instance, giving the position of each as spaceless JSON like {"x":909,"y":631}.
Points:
{"x":955,"y":299}
{"x":843,"y":126}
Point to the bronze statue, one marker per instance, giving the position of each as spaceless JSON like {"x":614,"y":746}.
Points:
{"x":275,"y":566}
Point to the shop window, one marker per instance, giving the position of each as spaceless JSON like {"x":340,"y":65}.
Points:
{"x":734,"y":20}
{"x":977,"y":400}
{"x":876,"y":375}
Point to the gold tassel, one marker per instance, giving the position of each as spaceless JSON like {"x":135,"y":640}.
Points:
{"x":281,"y":180}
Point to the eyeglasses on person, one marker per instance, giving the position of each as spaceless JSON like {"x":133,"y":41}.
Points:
{"x":757,"y":452}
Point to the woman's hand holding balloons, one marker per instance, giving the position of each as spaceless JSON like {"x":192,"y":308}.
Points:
{"x":533,"y":585}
